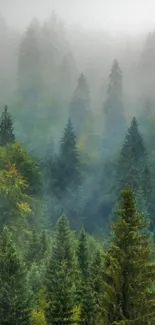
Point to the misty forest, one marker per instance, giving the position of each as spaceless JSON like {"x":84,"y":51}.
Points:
{"x":77,"y":176}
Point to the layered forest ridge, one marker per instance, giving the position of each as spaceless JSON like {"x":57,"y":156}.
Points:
{"x":77,"y":177}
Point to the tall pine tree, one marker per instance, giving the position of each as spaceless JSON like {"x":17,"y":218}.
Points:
{"x":113,"y":110}
{"x":80,"y":105}
{"x":84,"y":292}
{"x":96,"y":281}
{"x":66,"y":169}
{"x":6,"y":128}
{"x":13,"y":300}
{"x":132,"y":165}
{"x":83,"y":254}
{"x":60,"y":277}
{"x":129,"y":268}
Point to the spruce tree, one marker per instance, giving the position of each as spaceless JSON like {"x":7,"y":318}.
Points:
{"x":34,"y":248}
{"x":132,"y":164}
{"x":60,"y":277}
{"x":129,"y":268}
{"x":96,"y":281}
{"x":66,"y":169}
{"x":83,"y":254}
{"x":84,"y":289}
{"x":80,"y":105}
{"x":113,"y":110}
{"x":6,"y":128}
{"x":13,"y":300}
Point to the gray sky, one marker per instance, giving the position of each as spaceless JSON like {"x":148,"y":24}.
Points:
{"x":114,"y":15}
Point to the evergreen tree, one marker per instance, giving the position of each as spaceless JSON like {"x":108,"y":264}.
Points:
{"x":96,"y":274}
{"x":66,"y":169}
{"x":132,"y":165}
{"x":6,"y":128}
{"x":129,"y":268}
{"x":13,"y":305}
{"x":29,"y":67}
{"x":113,"y":109}
{"x":80,"y":105}
{"x":60,"y":277}
{"x":83,"y":254}
{"x":84,"y":290}
{"x":34,"y":248}
{"x":44,"y":244}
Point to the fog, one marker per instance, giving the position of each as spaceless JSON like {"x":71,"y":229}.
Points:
{"x":121,"y":16}
{"x":90,"y":61}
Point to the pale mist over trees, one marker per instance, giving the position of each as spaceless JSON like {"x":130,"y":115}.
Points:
{"x":75,"y":93}
{"x":77,"y":162}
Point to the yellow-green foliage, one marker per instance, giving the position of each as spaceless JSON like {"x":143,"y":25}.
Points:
{"x":38,"y":313}
{"x":37,"y":317}
{"x":12,"y":192}
{"x":76,"y":315}
{"x":15,"y":154}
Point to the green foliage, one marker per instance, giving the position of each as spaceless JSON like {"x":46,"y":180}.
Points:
{"x":37,"y":247}
{"x":35,"y":281}
{"x":13,"y":300}
{"x":26,"y":165}
{"x":33,"y":251}
{"x":129,"y":268}
{"x":84,"y":289}
{"x":37,"y":316}
{"x":133,"y":164}
{"x":132,"y":160}
{"x":60,"y":277}
{"x":83,"y":254}
{"x":66,"y":169}
{"x":14,"y":203}
{"x":6,"y":128}
{"x":96,"y":282}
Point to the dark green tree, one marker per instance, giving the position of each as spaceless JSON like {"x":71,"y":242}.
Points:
{"x":113,"y":110}
{"x":60,"y":276}
{"x":6,"y":128}
{"x":66,"y":168}
{"x":83,"y":254}
{"x":34,"y":249}
{"x":43,"y":244}
{"x":13,"y":300}
{"x":84,"y":289}
{"x":132,"y":165}
{"x":80,"y":105}
{"x":129,"y":268}
{"x":96,"y":282}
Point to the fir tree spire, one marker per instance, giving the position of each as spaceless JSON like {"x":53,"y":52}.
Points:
{"x":80,"y":105}
{"x":68,"y":164}
{"x":130,"y":270}
{"x":60,"y":277}
{"x":6,"y":128}
{"x":113,"y":109}
{"x":132,"y":165}
{"x":13,"y":284}
{"x":82,"y":254}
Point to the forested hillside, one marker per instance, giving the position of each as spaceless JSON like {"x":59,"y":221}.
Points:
{"x":77,"y":177}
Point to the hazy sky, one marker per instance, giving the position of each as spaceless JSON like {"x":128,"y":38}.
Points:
{"x":118,"y":15}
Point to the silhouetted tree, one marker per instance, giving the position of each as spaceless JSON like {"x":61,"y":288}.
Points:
{"x":6,"y":128}
{"x":113,"y":109}
{"x":80,"y":105}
